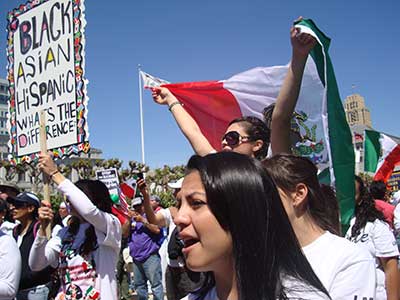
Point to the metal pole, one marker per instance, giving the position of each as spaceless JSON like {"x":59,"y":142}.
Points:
{"x":141,"y":113}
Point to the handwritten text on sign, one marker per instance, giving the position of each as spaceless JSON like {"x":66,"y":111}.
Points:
{"x":45,"y":76}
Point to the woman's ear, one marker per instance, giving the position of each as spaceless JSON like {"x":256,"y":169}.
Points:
{"x":257,"y":145}
{"x":300,"y":195}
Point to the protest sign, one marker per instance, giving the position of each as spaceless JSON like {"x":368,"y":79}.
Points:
{"x":110,"y":178}
{"x":46,"y":62}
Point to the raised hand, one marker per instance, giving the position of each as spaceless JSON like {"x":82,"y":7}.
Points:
{"x":142,"y":187}
{"x":162,"y":95}
{"x":302,"y":43}
{"x":46,"y":164}
{"x":45,"y":214}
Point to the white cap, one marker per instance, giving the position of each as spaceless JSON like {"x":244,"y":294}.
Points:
{"x":177,"y":184}
{"x":136,"y":201}
{"x":396,"y":196}
{"x":63,"y":205}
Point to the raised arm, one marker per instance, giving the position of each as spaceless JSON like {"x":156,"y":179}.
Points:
{"x":44,"y":253}
{"x":185,"y":121}
{"x":153,"y":218}
{"x":302,"y":44}
{"x":78,"y":199}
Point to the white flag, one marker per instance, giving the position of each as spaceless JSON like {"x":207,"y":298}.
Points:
{"x":151,"y":81}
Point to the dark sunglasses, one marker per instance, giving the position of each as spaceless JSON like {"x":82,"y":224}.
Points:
{"x":20,"y":205}
{"x":233,"y":138}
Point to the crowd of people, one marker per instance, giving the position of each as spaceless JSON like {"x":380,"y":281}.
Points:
{"x":250,"y":222}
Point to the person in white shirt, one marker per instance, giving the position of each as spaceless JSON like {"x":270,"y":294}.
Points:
{"x":369,"y":230}
{"x":235,"y":229}
{"x":305,"y":204}
{"x":85,"y":251}
{"x":10,"y":267}
{"x":308,"y":205}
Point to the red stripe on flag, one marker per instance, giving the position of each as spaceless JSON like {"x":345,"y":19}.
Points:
{"x":386,"y":170}
{"x":212,"y":106}
{"x":122,"y":202}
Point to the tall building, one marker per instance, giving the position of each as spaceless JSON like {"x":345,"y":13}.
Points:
{"x":356,"y":111}
{"x":359,"y":119}
{"x":3,"y":118}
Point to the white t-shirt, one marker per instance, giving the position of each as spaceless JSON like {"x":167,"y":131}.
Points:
{"x":396,"y":219}
{"x":175,"y":263}
{"x":378,"y":239}
{"x":108,"y":232}
{"x":10,"y":267}
{"x":345,"y":270}
{"x":7,"y":227}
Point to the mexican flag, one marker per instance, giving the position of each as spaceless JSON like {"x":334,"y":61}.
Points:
{"x":381,"y":154}
{"x":319,"y":118}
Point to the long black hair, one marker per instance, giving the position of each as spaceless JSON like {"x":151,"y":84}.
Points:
{"x":245,"y":202}
{"x":288,"y":170}
{"x":365,"y":210}
{"x":256,"y":129}
{"x":98,"y":193}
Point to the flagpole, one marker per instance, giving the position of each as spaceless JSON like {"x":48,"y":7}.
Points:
{"x":141,"y":113}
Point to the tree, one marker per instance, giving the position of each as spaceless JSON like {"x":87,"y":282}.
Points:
{"x":10,"y":170}
{"x":366,"y":178}
{"x":158,"y":180}
{"x":84,"y":168}
{"x":35,"y":176}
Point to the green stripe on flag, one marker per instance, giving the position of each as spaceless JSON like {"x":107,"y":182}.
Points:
{"x":372,"y":150}
{"x":340,"y":139}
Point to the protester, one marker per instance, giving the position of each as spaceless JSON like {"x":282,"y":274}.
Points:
{"x":155,"y":203}
{"x":6,"y":225}
{"x":307,"y":207}
{"x":10,"y":267}
{"x":34,"y":284}
{"x":234,"y":227}
{"x":304,"y":199}
{"x":63,"y":211}
{"x":85,"y":251}
{"x":246,"y":135}
{"x":378,"y":191}
{"x":144,"y":243}
{"x":8,"y":190}
{"x":179,"y":280}
{"x":369,"y":230}
{"x":7,"y":222}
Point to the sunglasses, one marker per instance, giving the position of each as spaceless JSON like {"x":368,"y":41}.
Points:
{"x":20,"y":205}
{"x":233,"y":138}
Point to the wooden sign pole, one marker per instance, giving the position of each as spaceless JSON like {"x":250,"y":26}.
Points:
{"x":46,"y":179}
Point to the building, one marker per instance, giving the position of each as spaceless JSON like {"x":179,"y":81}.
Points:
{"x":359,"y":118}
{"x":356,"y":111}
{"x":4,"y":137}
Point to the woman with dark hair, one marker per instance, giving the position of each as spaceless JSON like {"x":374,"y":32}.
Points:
{"x":246,"y":135}
{"x":369,"y":230}
{"x":85,"y":251}
{"x":7,"y":224}
{"x":335,"y":260}
{"x":234,"y":227}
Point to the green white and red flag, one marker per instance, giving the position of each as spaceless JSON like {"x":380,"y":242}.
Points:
{"x":381,"y":154}
{"x":324,"y":134}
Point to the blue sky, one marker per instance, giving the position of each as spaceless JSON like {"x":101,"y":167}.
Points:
{"x":181,"y":40}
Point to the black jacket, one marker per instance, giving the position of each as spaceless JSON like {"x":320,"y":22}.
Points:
{"x":30,"y":279}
